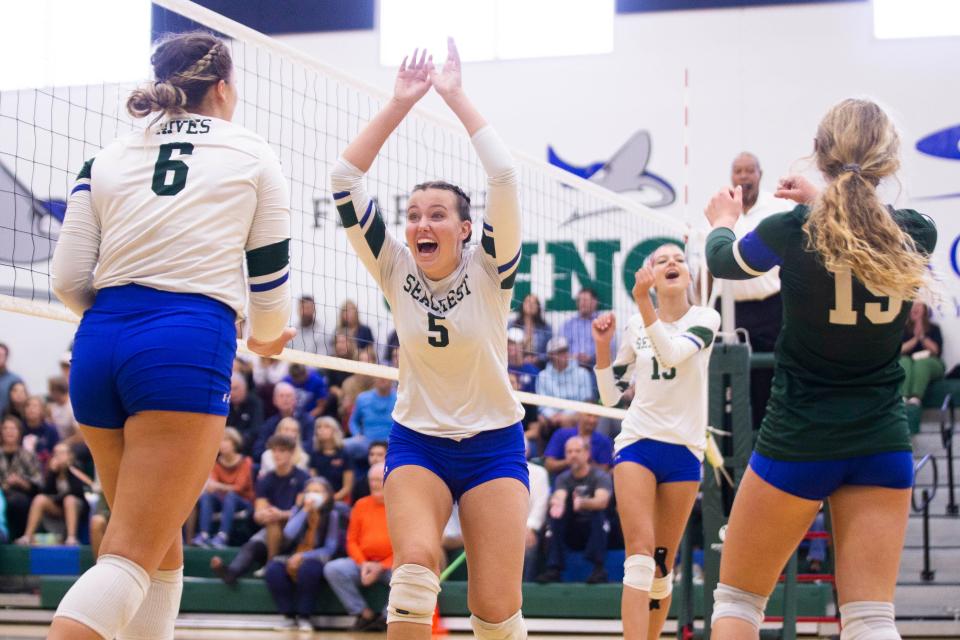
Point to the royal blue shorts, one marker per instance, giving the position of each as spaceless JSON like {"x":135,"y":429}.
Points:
{"x":461,"y":465}
{"x":668,"y":462}
{"x":818,"y":479}
{"x":141,"y":349}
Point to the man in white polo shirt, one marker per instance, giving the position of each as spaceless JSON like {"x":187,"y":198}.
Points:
{"x":758,"y":308}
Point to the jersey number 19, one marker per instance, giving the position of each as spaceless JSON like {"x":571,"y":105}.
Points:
{"x":843,"y":312}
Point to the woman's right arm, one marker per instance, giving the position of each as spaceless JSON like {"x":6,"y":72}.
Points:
{"x":364,"y":226}
{"x":268,"y":262}
{"x":612,"y":378}
{"x":78,"y":248}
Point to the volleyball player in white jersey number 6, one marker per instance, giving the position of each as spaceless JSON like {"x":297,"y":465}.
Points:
{"x":661,"y":446}
{"x":456,"y":435}
{"x":165,"y":216}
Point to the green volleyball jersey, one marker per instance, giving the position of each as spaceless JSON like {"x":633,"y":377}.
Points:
{"x":836,"y":381}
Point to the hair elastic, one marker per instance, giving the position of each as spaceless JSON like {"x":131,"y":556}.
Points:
{"x":851,"y":167}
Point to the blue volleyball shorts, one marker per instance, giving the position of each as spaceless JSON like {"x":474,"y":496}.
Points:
{"x":819,"y":479}
{"x":668,"y":462}
{"x":142,"y":349}
{"x":462,"y":464}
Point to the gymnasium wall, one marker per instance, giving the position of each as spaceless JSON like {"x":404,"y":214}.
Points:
{"x":759,"y":80}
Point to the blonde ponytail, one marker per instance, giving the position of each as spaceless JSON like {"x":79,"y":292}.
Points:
{"x":857,"y":146}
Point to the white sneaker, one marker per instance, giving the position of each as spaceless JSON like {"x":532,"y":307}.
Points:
{"x":303,"y":624}
{"x":259,"y":573}
{"x":288,"y":624}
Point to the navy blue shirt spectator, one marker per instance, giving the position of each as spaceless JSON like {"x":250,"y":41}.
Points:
{"x":246,"y":411}
{"x":329,"y":460}
{"x":285,"y":401}
{"x":281,"y":491}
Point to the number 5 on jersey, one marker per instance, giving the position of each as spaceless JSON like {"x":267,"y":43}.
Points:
{"x":165,"y":164}
{"x":441,"y":340}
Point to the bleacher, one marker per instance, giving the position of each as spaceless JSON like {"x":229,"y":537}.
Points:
{"x":45,"y":568}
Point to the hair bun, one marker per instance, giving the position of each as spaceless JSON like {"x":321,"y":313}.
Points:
{"x":157,"y":96}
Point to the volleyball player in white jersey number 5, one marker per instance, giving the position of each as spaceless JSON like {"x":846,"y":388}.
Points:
{"x":165,"y":216}
{"x":456,"y":433}
{"x":661,"y":445}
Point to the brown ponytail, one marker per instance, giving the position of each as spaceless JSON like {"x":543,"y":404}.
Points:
{"x":185,"y":65}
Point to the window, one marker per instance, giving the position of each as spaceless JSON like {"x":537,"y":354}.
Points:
{"x":69,"y":42}
{"x":495,"y":29}
{"x":916,"y":18}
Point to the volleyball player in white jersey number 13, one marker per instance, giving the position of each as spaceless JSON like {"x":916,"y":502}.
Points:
{"x":457,"y":433}
{"x":660,"y":448}
{"x":151,"y":256}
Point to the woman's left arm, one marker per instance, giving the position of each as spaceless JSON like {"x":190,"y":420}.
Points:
{"x":501,"y":225}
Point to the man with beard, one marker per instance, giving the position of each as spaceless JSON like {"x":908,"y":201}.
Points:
{"x":309,"y":333}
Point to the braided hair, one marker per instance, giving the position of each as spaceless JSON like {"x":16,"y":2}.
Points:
{"x":185,"y":66}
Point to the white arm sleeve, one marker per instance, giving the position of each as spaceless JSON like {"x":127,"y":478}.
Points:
{"x":362,"y":221}
{"x":268,"y":254}
{"x":78,"y":248}
{"x":614,"y":380}
{"x":502,"y":223}
{"x":672,"y":350}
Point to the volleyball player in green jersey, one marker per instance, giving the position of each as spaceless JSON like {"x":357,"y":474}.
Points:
{"x":835,"y":426}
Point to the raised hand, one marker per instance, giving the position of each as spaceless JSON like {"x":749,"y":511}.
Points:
{"x":274,"y":347}
{"x":447,"y":81}
{"x":603,"y":328}
{"x":643,"y":283}
{"x":413,"y":79}
{"x":725,"y":207}
{"x":796,"y":188}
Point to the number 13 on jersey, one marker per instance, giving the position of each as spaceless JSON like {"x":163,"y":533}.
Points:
{"x":843,"y":311}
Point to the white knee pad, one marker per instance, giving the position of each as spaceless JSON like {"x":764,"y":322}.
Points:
{"x":107,"y":596}
{"x":868,"y":621}
{"x":662,"y":587}
{"x":157,"y":616}
{"x":413,"y":594}
{"x":638,"y":571}
{"x":513,"y":628}
{"x":730,"y":602}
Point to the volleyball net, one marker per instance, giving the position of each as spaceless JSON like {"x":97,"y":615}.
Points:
{"x":576,"y":233}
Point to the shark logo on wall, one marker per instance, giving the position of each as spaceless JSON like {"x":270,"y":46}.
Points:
{"x":30,"y":226}
{"x":943,"y":144}
{"x":625,"y":173}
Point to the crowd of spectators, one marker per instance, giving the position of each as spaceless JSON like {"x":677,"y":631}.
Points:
{"x":298,"y":483}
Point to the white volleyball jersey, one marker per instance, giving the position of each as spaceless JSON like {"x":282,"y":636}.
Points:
{"x":452,"y":332}
{"x":669,"y":364}
{"x":175,"y":208}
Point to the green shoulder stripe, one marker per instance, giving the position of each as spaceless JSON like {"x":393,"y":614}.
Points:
{"x":705,"y":335}
{"x":348,"y":215}
{"x":619,"y":370}
{"x":86,"y":170}
{"x":376,"y":233}
{"x":268,"y":259}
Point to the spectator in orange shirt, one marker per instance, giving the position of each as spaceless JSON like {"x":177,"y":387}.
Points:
{"x":370,"y":556}
{"x":229,"y":490}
